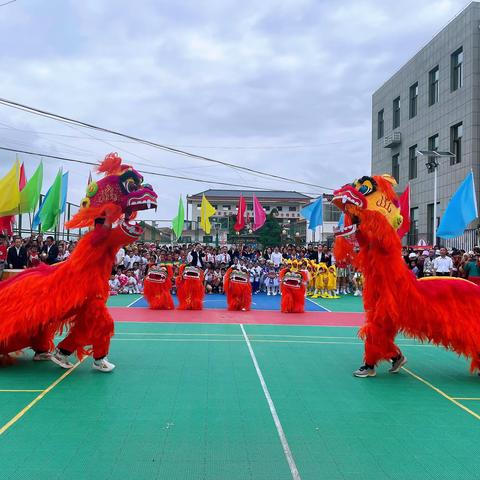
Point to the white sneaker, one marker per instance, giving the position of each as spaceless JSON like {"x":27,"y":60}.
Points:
{"x":356,"y":294}
{"x":268,"y":293}
{"x":103,"y":365}
{"x":41,"y":356}
{"x":60,"y":359}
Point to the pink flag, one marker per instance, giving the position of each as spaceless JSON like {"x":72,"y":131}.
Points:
{"x":23,"y":179}
{"x":259,"y":215}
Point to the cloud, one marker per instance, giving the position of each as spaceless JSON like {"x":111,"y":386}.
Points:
{"x":206,"y":74}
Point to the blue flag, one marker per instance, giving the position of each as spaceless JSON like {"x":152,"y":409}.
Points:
{"x":313,"y":213}
{"x":63,"y":197}
{"x":461,"y":210}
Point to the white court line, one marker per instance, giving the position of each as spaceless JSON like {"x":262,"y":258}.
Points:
{"x":273,"y":411}
{"x":318,"y":305}
{"x":134,"y":302}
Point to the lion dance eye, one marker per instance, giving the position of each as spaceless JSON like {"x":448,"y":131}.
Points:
{"x":366,"y":188}
{"x":92,"y":189}
{"x":130,"y":185}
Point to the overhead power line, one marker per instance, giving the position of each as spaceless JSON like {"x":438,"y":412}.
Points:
{"x":180,"y":177}
{"x":61,"y":118}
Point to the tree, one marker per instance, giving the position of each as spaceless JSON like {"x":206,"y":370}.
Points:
{"x":270,"y":235}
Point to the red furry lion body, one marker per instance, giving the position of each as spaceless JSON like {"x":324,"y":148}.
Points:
{"x":293,"y":297}
{"x":439,"y":310}
{"x":190,"y":290}
{"x":239,"y":294}
{"x":158,"y":293}
{"x":72,"y":294}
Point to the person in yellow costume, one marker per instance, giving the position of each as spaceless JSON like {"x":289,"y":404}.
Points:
{"x":332,"y":282}
{"x":311,"y":268}
{"x":321,"y":279}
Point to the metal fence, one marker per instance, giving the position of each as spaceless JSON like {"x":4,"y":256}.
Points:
{"x":24,"y":225}
{"x":467,"y":241}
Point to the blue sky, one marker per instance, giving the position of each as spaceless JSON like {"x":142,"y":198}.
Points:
{"x":291,"y":80}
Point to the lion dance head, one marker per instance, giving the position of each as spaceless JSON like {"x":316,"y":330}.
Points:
{"x":372,"y":214}
{"x":116,"y":197}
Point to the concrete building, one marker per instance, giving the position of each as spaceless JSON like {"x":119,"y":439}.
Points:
{"x":432,"y":103}
{"x":286,"y":204}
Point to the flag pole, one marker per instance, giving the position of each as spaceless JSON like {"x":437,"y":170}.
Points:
{"x":435,"y":207}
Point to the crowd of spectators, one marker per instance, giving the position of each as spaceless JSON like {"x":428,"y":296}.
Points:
{"x":444,"y":263}
{"x":132,"y":262}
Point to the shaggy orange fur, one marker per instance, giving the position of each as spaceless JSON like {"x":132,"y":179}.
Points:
{"x":293,"y":298}
{"x":442,"y":311}
{"x":239,"y":295}
{"x":190,"y":292}
{"x":158,"y":295}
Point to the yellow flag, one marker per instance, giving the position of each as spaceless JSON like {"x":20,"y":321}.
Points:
{"x":10,"y":191}
{"x":206,"y":211}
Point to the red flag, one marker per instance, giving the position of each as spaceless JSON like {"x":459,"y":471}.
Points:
{"x":405,"y":212}
{"x":240,"y":223}
{"x":23,"y":179}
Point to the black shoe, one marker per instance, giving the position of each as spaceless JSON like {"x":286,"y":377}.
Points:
{"x":398,"y":363}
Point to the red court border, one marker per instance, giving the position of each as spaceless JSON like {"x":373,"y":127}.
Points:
{"x":261,"y":317}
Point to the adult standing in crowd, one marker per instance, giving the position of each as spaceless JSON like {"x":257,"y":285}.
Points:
{"x":276,"y":257}
{"x":17,"y":255}
{"x":443,"y":265}
{"x":49,"y":251}
{"x":196,"y":257}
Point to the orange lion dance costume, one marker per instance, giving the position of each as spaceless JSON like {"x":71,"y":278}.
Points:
{"x":238,"y":289}
{"x":73,"y":293}
{"x":440,"y":310}
{"x":157,"y":287}
{"x":293,"y":284}
{"x":190,"y":288}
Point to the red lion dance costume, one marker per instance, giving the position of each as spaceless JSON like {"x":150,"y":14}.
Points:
{"x":293,"y":284}
{"x":190,"y":289}
{"x":73,"y":293}
{"x":157,"y":287}
{"x":439,"y":310}
{"x":237,"y":287}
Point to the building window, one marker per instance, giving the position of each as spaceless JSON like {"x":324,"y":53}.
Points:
{"x":413,"y":234}
{"x":396,"y":167}
{"x":279,"y":209}
{"x":226,"y":207}
{"x":413,"y":100}
{"x":267,"y":208}
{"x":431,"y":240}
{"x":456,"y":134}
{"x":396,"y":112}
{"x":433,"y":86}
{"x":207,"y":239}
{"x":331,"y":213}
{"x":412,"y":162}
{"x":457,"y":69}
{"x":380,"y":124}
{"x":432,"y":145}
{"x":292,"y":209}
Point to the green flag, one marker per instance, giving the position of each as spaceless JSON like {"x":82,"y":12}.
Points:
{"x":51,"y":205}
{"x":30,"y":194}
{"x":177,"y":222}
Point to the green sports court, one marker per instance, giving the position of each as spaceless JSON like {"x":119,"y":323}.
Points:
{"x":210,"y":396}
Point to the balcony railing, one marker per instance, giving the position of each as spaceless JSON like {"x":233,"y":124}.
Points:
{"x":392,"y":140}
